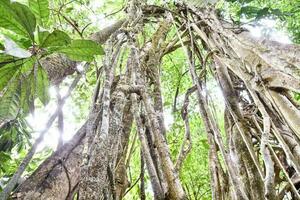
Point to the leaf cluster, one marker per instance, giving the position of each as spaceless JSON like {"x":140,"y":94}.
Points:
{"x":26,"y":37}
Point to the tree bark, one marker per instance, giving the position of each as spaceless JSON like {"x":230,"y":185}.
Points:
{"x":264,"y":71}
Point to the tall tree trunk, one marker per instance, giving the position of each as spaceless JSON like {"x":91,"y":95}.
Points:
{"x":255,"y":77}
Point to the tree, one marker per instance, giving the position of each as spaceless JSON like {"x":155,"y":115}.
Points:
{"x":257,"y":154}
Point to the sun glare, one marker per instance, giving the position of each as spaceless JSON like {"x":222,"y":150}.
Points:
{"x":266,"y":28}
{"x":39,"y":119}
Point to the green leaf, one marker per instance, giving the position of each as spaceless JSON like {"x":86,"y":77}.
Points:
{"x":18,"y":18}
{"x":8,"y":20}
{"x":56,"y":38}
{"x":42,"y":85}
{"x":249,"y":11}
{"x":10,"y":101}
{"x":25,"y":17}
{"x":4,"y":157}
{"x":8,"y":72}
{"x":26,"y":102}
{"x":6,"y":59}
{"x":6,"y":143}
{"x":68,"y":10}
{"x":15,"y":133}
{"x":262,"y":13}
{"x":297,"y":96}
{"x":82,"y":50}
{"x":28,"y":65}
{"x":40,"y":8}
{"x":28,"y":91}
{"x":42,"y":36}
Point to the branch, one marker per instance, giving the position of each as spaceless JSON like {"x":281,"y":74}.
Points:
{"x":187,"y":139}
{"x":14,"y":180}
{"x":60,"y":120}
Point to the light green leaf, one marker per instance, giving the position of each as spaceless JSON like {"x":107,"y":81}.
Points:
{"x":40,"y":8}
{"x":25,"y":17}
{"x":42,"y":35}
{"x":8,"y":72}
{"x":82,"y":50}
{"x":28,"y":91}
{"x":42,"y":85}
{"x":1,"y":46}
{"x":10,"y":101}
{"x":56,"y":38}
{"x":28,"y":65}
{"x":6,"y":59}
{"x":68,"y":10}
{"x":18,"y":18}
{"x":8,"y":20}
{"x":4,"y":157}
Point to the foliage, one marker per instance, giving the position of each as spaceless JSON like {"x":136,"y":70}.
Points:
{"x":11,"y":161}
{"x":287,"y":12}
{"x":26,"y":42}
{"x":22,"y":21}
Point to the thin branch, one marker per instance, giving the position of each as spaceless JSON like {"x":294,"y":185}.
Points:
{"x":187,"y":142}
{"x":142,"y":185}
{"x":131,"y":150}
{"x":137,"y":180}
{"x":60,"y":120}
{"x":72,"y":24}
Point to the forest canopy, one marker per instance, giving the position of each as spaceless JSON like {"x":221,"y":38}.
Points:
{"x":150,"y":99}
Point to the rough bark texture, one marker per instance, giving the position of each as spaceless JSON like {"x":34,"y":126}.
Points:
{"x":59,"y":66}
{"x":50,"y":180}
{"x":255,"y":77}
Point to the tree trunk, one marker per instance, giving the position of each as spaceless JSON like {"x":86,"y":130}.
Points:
{"x":255,"y":77}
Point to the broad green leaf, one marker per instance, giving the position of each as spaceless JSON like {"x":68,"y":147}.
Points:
{"x":34,"y":85}
{"x":25,"y":94}
{"x":28,"y":91}
{"x":8,"y":20}
{"x":15,"y":133}
{"x":11,"y":48}
{"x":42,"y":36}
{"x":4,"y":157}
{"x":7,"y":59}
{"x":6,"y":143}
{"x":10,"y":101}
{"x":25,"y":17}
{"x":28,"y":88}
{"x":42,"y":85}
{"x":56,"y":38}
{"x":40,"y":8}
{"x":28,"y":65}
{"x":8,"y":72}
{"x":82,"y":50}
{"x":23,"y":42}
{"x":18,"y":18}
